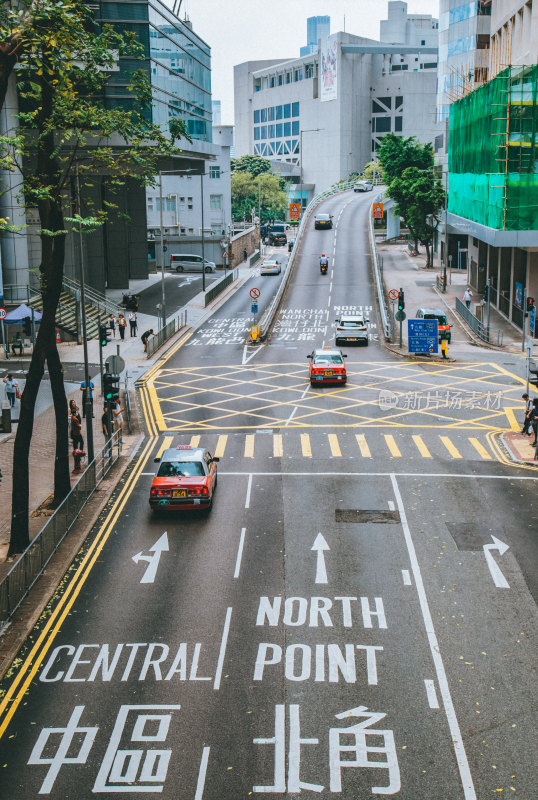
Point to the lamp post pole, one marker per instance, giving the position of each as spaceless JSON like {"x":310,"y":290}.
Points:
{"x":203,"y":246}
{"x":163,"y":296}
{"x":88,"y":408}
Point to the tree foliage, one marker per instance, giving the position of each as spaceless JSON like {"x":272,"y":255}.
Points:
{"x":253,"y":164}
{"x":64,"y":61}
{"x":246,"y":193}
{"x":414,"y":185}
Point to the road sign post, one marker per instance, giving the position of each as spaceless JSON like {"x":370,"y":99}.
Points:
{"x":423,"y":335}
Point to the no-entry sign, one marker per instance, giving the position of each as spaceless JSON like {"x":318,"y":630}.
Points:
{"x":254,"y":293}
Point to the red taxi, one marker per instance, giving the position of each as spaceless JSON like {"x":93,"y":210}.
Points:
{"x":327,"y":366}
{"x":185,"y":480}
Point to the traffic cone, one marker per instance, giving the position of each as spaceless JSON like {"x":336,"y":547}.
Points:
{"x":58,"y":337}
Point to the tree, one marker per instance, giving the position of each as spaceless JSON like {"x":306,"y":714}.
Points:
{"x":373,"y":170}
{"x":63,"y":64}
{"x":253,"y":164}
{"x":396,"y":153}
{"x":245,"y":197}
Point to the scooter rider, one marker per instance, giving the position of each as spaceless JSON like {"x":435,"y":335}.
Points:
{"x":323,"y":264}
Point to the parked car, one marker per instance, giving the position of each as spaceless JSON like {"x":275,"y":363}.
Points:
{"x":188,"y":262}
{"x":440,"y":316}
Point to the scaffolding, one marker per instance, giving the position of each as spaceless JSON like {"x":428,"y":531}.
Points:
{"x":493,"y":169}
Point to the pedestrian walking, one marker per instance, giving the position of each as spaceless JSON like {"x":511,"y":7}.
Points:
{"x":76,"y":430}
{"x":121,"y":322}
{"x":526,"y":417}
{"x":117,"y":415}
{"x":12,"y":389}
{"x":245,"y":254}
{"x":133,"y":323}
{"x":467,"y":297}
{"x":533,"y":420}
{"x":83,"y":390}
{"x":145,"y":336}
{"x":105,"y":424}
{"x":112,"y":324}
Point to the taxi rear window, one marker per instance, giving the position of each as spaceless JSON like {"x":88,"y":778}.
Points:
{"x":180,"y":469}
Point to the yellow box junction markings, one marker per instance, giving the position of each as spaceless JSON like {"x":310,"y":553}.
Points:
{"x":452,"y":449}
{"x":334,"y":445}
{"x":306,"y":449}
{"x":361,"y":441}
{"x":29,"y":667}
{"x":391,"y":444}
{"x":514,"y":424}
{"x":422,"y":449}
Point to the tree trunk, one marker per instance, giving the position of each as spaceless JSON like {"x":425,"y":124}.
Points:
{"x":428,"y":256}
{"x":62,"y":477}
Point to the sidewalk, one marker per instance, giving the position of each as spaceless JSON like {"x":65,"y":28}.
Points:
{"x":44,"y":433}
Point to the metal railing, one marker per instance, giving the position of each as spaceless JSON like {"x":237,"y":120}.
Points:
{"x":219,"y":286}
{"x":269,"y":313}
{"x":483,"y":332}
{"x":377,"y":264}
{"x":29,"y":566}
{"x":158,"y":339}
{"x":94,"y":298}
{"x":19,"y":293}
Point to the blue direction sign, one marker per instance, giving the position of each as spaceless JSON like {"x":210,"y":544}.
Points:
{"x":423,"y":335}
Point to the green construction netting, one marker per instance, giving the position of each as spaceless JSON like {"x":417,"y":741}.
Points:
{"x":493,"y":143}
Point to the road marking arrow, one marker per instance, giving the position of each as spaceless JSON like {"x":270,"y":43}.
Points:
{"x":498,"y":578}
{"x":153,"y":560}
{"x":319,"y":546}
{"x":247,"y":357}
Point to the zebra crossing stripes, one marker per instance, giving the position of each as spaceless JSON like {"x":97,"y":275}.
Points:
{"x":452,"y":449}
{"x":363,"y":446}
{"x":421,"y":447}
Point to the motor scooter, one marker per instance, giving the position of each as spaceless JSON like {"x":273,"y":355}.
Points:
{"x":323,"y":264}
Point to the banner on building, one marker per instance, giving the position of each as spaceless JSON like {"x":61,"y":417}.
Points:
{"x":329,"y":70}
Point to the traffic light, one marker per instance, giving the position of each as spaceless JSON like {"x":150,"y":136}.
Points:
{"x":104,"y":335}
{"x":401,"y":301}
{"x":534,"y":380}
{"x":486,"y":293}
{"x":111,"y":387}
{"x":530,"y":304}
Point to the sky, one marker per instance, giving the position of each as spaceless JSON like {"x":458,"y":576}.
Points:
{"x":247,"y":30}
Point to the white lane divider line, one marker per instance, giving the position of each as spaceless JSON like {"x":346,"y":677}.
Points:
{"x":291,"y":416}
{"x":201,"y":774}
{"x":442,"y":680}
{"x":222,"y":651}
{"x":239,"y":553}
{"x":305,"y":391}
{"x":433,"y":702}
{"x":249,"y":487}
{"x":406,"y":577}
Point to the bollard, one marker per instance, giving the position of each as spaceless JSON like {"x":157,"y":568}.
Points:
{"x":6,"y":417}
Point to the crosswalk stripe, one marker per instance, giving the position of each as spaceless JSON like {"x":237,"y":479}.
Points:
{"x":391,"y":444}
{"x":454,"y":452}
{"x":480,"y":449}
{"x":422,"y":449}
{"x":278,"y":449}
{"x":195,"y":441}
{"x":167,"y":442}
{"x":221,"y":445}
{"x":249,"y":445}
{"x":361,"y":441}
{"x":334,"y":445}
{"x":305,"y":445}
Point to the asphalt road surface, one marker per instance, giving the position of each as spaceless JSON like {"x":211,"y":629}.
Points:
{"x":355,"y":615}
{"x":179,"y":289}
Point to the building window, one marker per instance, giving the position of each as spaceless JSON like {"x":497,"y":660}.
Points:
{"x":287,"y":129}
{"x":278,"y":112}
{"x":287,"y":111}
{"x":381,"y":105}
{"x":256,"y":116}
{"x":215,"y":201}
{"x":398,"y":124}
{"x":295,"y":127}
{"x":280,"y":80}
{"x":288,"y":77}
{"x":263,"y":133}
{"x":423,"y":42}
{"x":263,"y":117}
{"x":298,"y":75}
{"x":399,"y":102}
{"x":271,"y":114}
{"x":272,"y":82}
{"x":381,"y":124}
{"x":214,"y":172}
{"x":295,"y":109}
{"x":150,"y":203}
{"x":278,"y":127}
{"x":271,"y":129}
{"x":309,"y":71}
{"x":256,"y":134}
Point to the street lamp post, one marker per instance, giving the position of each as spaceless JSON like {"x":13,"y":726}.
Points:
{"x":307,"y":130}
{"x":88,"y":409}
{"x":203,"y":244}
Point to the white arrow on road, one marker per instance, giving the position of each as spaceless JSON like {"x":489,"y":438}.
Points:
{"x":498,"y":578}
{"x":153,"y":560}
{"x":319,"y":546}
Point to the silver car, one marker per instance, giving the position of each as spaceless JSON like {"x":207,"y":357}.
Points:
{"x":270,"y":267}
{"x":189,"y":262}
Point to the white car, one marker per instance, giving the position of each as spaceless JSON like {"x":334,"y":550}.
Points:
{"x":270,"y":267}
{"x":363,"y":186}
{"x":351,"y":328}
{"x":189,"y":262}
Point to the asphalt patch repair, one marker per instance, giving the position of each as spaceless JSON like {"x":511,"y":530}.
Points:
{"x":363,"y":515}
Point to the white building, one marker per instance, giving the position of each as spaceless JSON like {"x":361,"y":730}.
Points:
{"x":338,"y":103}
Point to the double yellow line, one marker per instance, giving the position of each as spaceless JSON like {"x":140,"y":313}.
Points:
{"x":34,"y":659}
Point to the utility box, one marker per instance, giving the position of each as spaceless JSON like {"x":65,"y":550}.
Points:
{"x":6,"y":417}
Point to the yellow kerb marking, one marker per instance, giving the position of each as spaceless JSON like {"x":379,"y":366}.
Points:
{"x":278,"y":448}
{"x":361,"y":441}
{"x":195,"y":441}
{"x":391,"y":444}
{"x":454,"y":452}
{"x":480,"y":449}
{"x":305,"y":445}
{"x":221,"y":445}
{"x":167,"y":442}
{"x":422,"y":449}
{"x":334,"y":445}
{"x":249,"y":445}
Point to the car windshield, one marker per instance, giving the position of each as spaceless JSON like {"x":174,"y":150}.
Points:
{"x":180,"y":469}
{"x":441,"y":319}
{"x":327,"y":358}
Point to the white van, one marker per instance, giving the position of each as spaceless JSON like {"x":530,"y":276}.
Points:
{"x":187,"y":262}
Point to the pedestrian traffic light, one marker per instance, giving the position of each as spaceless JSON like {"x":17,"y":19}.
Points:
{"x":530,"y":303}
{"x":486,"y":293}
{"x":401,"y":301}
{"x":104,"y":335}
{"x":111,"y":387}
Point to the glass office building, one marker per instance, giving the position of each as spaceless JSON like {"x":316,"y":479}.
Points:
{"x":177,"y":61}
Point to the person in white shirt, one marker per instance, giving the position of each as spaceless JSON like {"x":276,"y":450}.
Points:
{"x":467,"y":296}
